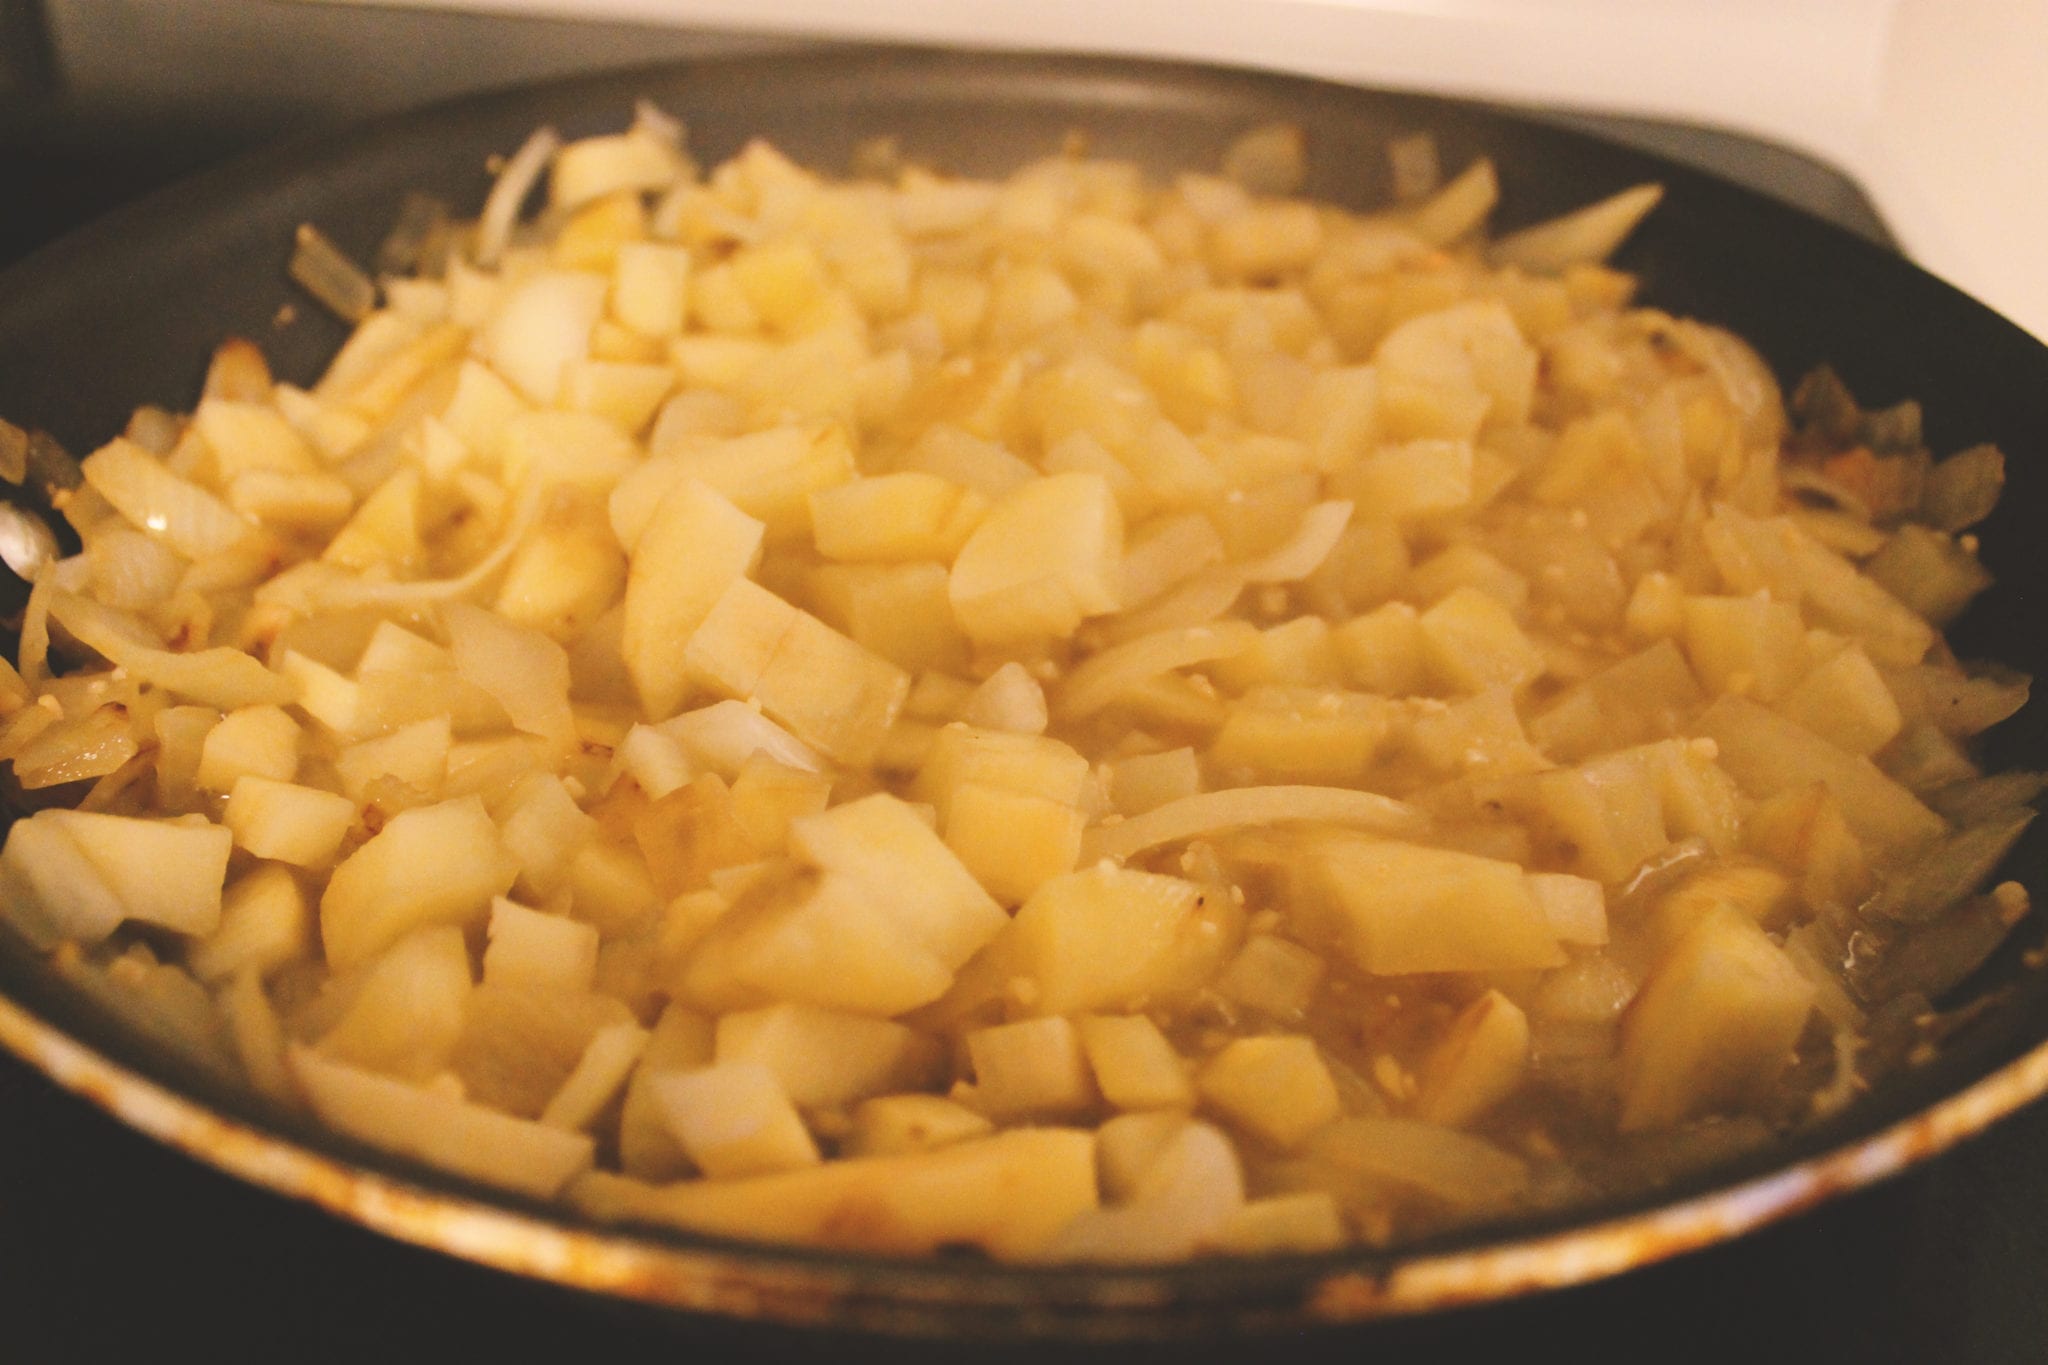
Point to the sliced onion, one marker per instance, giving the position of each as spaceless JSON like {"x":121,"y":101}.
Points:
{"x":1197,"y":817}
{"x":1322,"y":526}
{"x":1584,"y":236}
{"x":501,"y":210}
{"x":1105,"y":677}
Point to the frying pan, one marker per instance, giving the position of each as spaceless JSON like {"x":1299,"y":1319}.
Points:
{"x":127,"y":311}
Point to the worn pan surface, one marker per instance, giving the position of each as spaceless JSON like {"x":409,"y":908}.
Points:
{"x":127,"y":311}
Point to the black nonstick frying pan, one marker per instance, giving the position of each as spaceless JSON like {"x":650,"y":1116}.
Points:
{"x":127,"y":312}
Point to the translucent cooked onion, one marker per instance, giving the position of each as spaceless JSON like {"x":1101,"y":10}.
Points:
{"x":1217,"y":812}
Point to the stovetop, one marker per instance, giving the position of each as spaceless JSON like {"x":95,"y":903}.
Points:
{"x":110,"y":1244}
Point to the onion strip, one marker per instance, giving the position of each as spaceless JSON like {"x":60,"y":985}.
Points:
{"x":1322,"y":526}
{"x":501,"y":210}
{"x":1107,"y":676}
{"x":1194,"y":817}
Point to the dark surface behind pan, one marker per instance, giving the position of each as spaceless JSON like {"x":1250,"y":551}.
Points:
{"x":126,"y":313}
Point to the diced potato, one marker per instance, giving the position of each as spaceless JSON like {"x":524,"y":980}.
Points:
{"x":383,"y":890}
{"x":1106,"y":938}
{"x":432,"y":1126}
{"x":692,"y":550}
{"x":603,"y":1069}
{"x":1009,"y":1193}
{"x":1187,"y":1193}
{"x":1479,"y":1063}
{"x":898,"y":611}
{"x":253,"y":741}
{"x":734,"y":1120}
{"x":1276,"y":1088}
{"x":892,"y":1125}
{"x":1714,"y":1022}
{"x":1272,"y":975}
{"x":1046,"y":557}
{"x":1303,"y":734}
{"x":1471,"y":643}
{"x":880,"y":843}
{"x":681,"y":1040}
{"x":894,"y":518}
{"x":265,"y":922}
{"x":520,"y":1044}
{"x":407,"y":1010}
{"x":529,"y":948}
{"x":166,"y":872}
{"x":1304,"y":1222}
{"x":1034,"y":1068}
{"x":1769,"y":754}
{"x":288,"y":823}
{"x":415,"y":754}
{"x":1147,"y":781}
{"x":825,"y":1057}
{"x":1134,"y":1065}
{"x":1845,"y":701}
{"x":1396,"y":908}
{"x":1751,"y":646}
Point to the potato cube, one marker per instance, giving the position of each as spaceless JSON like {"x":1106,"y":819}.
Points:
{"x":895,"y":517}
{"x":879,"y":843}
{"x":407,"y":1009}
{"x":520,"y":1044}
{"x":823,"y":1058}
{"x":265,"y":922}
{"x":1047,"y":556}
{"x":695,"y":547}
{"x":1009,"y":1194}
{"x":1382,"y":650}
{"x":415,"y":754}
{"x":1713,"y":1025}
{"x":434,"y":1127}
{"x":1273,"y":975}
{"x":1845,"y":701}
{"x":1108,"y":938}
{"x":1576,"y":907}
{"x":830,"y":940}
{"x":1748,"y":645}
{"x":1303,"y":734}
{"x":680,"y":1041}
{"x":1472,"y":643}
{"x":603,"y":1069}
{"x":1186,"y":1194}
{"x":1147,"y":781}
{"x":287,"y":823}
{"x":1276,"y":1088}
{"x":890,"y":1125}
{"x":1477,"y":1064}
{"x":542,"y":827}
{"x":898,"y":611}
{"x":437,"y":864}
{"x":1768,"y":754}
{"x":1280,"y":1223}
{"x":1410,"y":480}
{"x":733,"y":1119}
{"x":1135,"y":1067}
{"x":833,"y":693}
{"x":650,"y":287}
{"x":1012,"y":842}
{"x":530,"y":948}
{"x":167,"y":872}
{"x":1035,"y":1068}
{"x":1397,"y":908}
{"x":251,"y":741}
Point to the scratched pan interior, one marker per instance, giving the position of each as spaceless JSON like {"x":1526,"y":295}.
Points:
{"x":127,"y":311}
